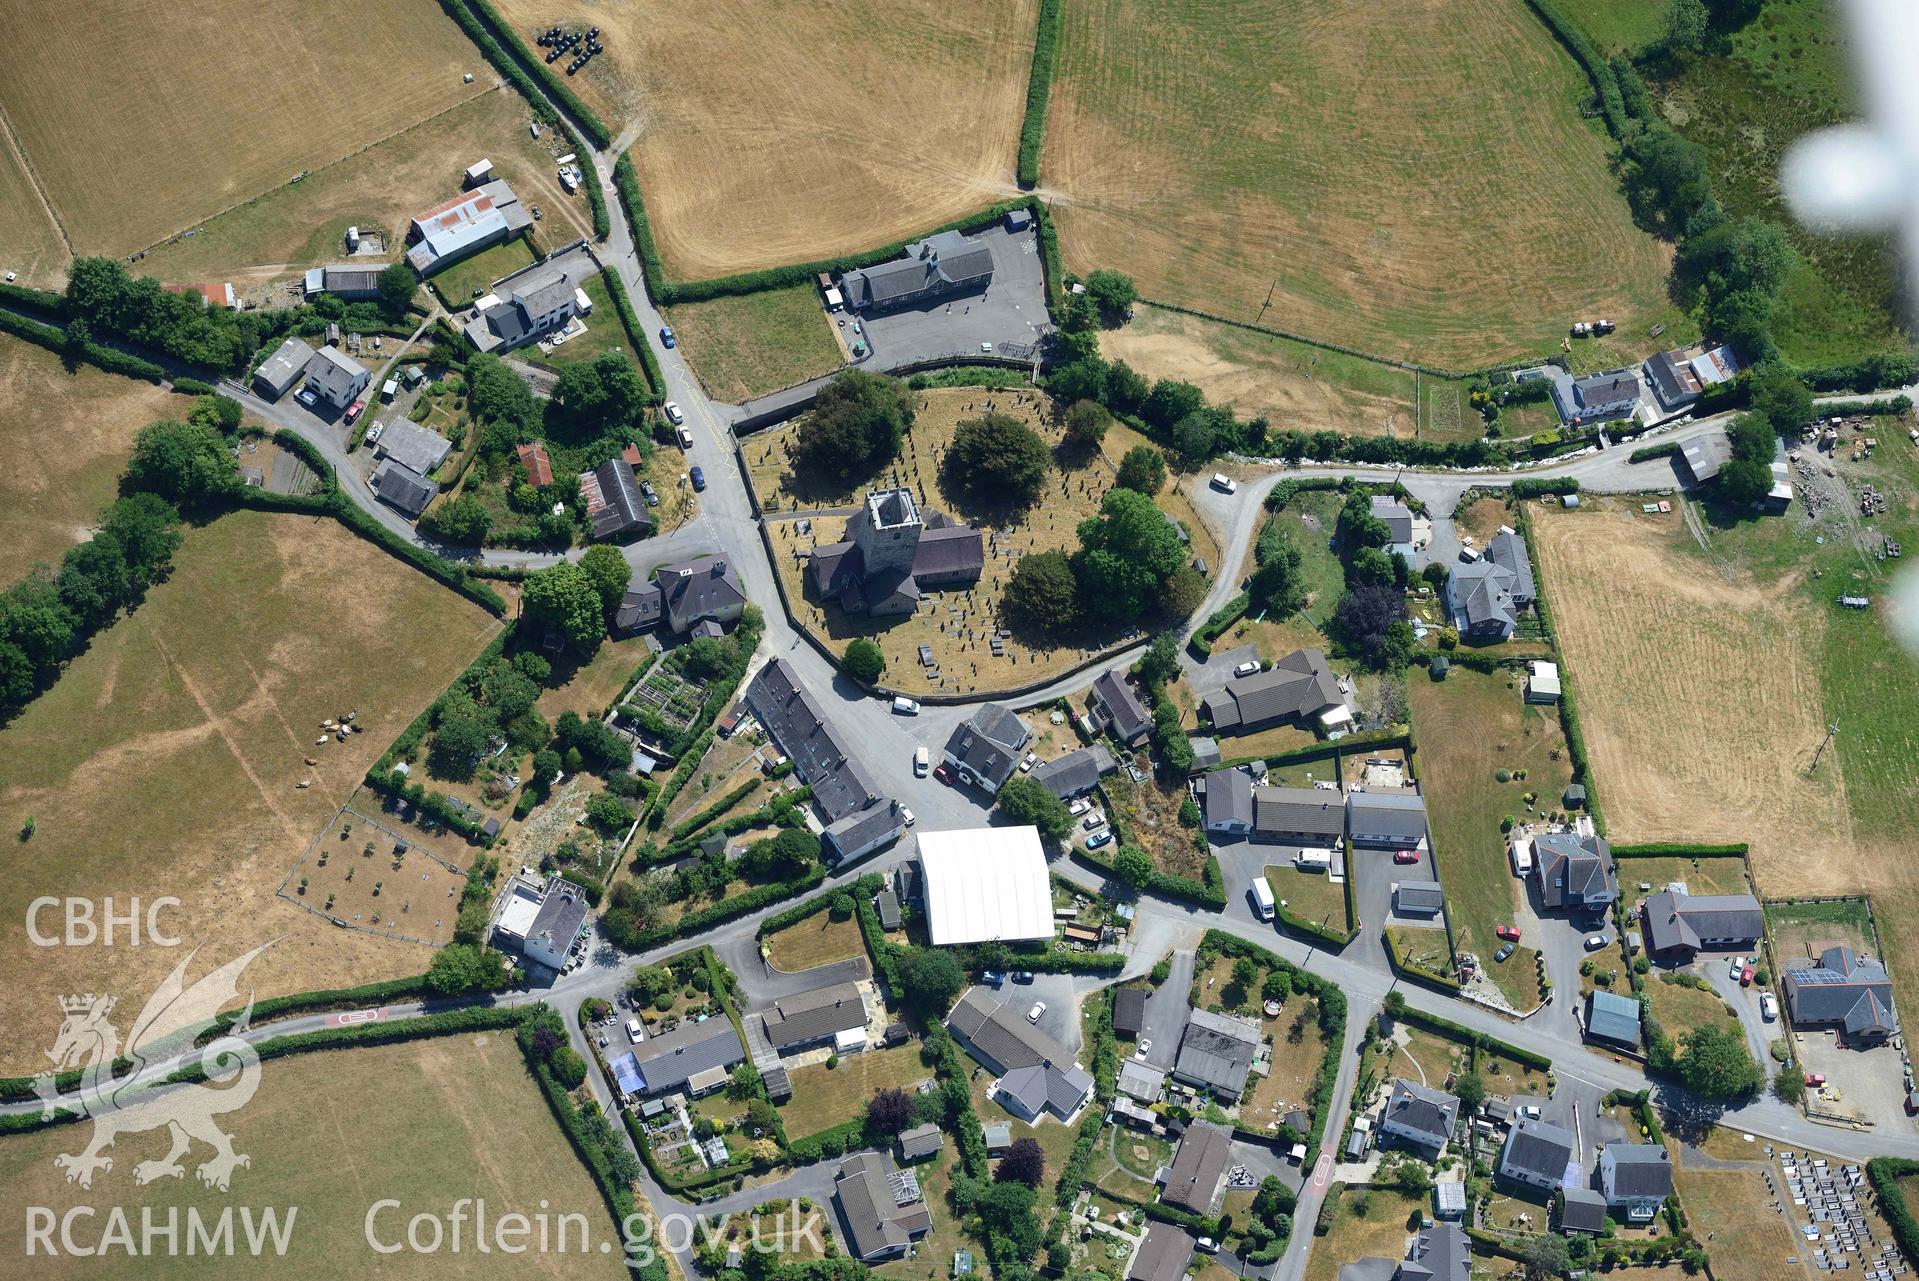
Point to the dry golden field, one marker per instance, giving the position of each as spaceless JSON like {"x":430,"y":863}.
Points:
{"x":1418,"y":185}
{"x":291,"y":228}
{"x":1699,"y":696}
{"x":140,"y":118}
{"x":31,"y":244}
{"x":68,"y":436}
{"x":425,"y":1122}
{"x":772,"y":133}
{"x":165,"y":760}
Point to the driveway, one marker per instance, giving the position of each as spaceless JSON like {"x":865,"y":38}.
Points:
{"x":1745,"y":1000}
{"x":1216,"y":671}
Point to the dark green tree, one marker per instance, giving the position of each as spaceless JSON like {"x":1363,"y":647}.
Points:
{"x":396,"y":288}
{"x":998,"y":459}
{"x":932,"y":979}
{"x":1142,"y":470}
{"x":1023,"y":799}
{"x":1113,"y":293}
{"x":1086,"y":424}
{"x":1133,"y":866}
{"x":864,"y":661}
{"x":609,"y":573}
{"x":563,"y":596}
{"x":1042,"y":593}
{"x":185,"y":463}
{"x":856,"y":424}
{"x":463,"y":520}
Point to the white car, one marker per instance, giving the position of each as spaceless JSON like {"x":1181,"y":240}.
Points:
{"x":1093,"y":821}
{"x":374,"y":433}
{"x":922,"y":764}
{"x":1079,"y":807}
{"x":904,"y":706}
{"x":907,"y":816}
{"x":1248,"y":668}
{"x":673,"y":414}
{"x":1737,"y":967}
{"x":1144,"y":1047}
{"x":1026,"y":766}
{"x":1225,"y":484}
{"x":1039,"y":1008}
{"x":1768,"y":1006}
{"x":635,"y":1031}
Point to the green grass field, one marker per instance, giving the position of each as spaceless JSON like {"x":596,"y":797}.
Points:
{"x":424,"y":1123}
{"x":1618,"y":26}
{"x":824,"y":1097}
{"x":1403,"y":187}
{"x":457,"y":284}
{"x":1781,"y":76}
{"x":751,"y":344}
{"x":1468,"y":726}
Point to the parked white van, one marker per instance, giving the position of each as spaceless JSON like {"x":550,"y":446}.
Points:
{"x":921,"y":763}
{"x":1262,"y":895}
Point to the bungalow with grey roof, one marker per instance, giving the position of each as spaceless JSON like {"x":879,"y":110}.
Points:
{"x":882,"y":1213}
{"x":1582,"y":1210}
{"x":1398,"y":519}
{"x":1037,"y":1073}
{"x":1076,"y":773}
{"x":1574,"y":872}
{"x":1845,"y":991}
{"x":1393,"y":819}
{"x":1298,"y":815}
{"x":402,"y":489}
{"x":1680,"y":926}
{"x":1299,"y":687}
{"x":1199,"y":1162}
{"x":419,"y":449}
{"x":1228,"y":804}
{"x":815,"y":1017}
{"x":1164,"y":1254}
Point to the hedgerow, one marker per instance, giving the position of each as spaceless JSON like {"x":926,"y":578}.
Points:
{"x":1039,"y":89}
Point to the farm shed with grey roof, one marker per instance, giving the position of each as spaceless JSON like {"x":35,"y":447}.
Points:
{"x":282,"y":369}
{"x":1216,"y":1053}
{"x":1418,"y":898}
{"x":402,"y":489}
{"x":818,"y":1015}
{"x":622,"y":508}
{"x":1076,"y":772}
{"x":1198,"y":1165}
{"x":1681,"y":925}
{"x":793,"y":717}
{"x":1298,"y":686}
{"x":670,"y":1060}
{"x":344,"y":281}
{"x":1701,"y":457}
{"x":1164,"y":1254}
{"x":1613,"y":1018}
{"x":1843,"y":990}
{"x":1129,"y":1011}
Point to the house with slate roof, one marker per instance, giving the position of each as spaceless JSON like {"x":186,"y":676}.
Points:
{"x":1636,"y":1179}
{"x":1438,"y":1253}
{"x":1679,"y":926}
{"x":1582,"y":1210}
{"x":1299,"y":687}
{"x":814,"y":1018}
{"x":1037,"y":1073}
{"x":1421,"y":1117}
{"x":1199,"y":1163}
{"x":402,"y":489}
{"x":939,"y":266}
{"x":704,"y":589}
{"x":1485,"y":597}
{"x":794,"y":719}
{"x":1075,"y":773}
{"x":1216,"y":1053}
{"x":890,"y":551}
{"x":1387,"y":819}
{"x":1164,"y":1254}
{"x":1844,"y":991}
{"x":1118,"y":708}
{"x":1595,"y":398}
{"x":1537,"y":1154}
{"x":1228,"y":807}
{"x":538,"y":302}
{"x":1574,"y":872}
{"x":985,"y":748}
{"x":1398,"y":519}
{"x":1298,"y":815}
{"x":862,"y":832}
{"x":671,"y":1060}
{"x":881,"y":1212}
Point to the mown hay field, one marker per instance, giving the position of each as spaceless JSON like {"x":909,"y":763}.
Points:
{"x":425,"y":1123}
{"x":141,"y":118}
{"x":747,"y":345}
{"x":67,"y":436}
{"x":166,"y":759}
{"x":289,"y":228}
{"x":33,"y":246}
{"x":1416,"y":183}
{"x":771,"y":133}
{"x":1698,"y":694}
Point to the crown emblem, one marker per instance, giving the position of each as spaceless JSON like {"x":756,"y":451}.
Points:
{"x":85,"y":1004}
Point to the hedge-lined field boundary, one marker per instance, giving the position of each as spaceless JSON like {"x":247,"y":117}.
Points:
{"x":509,"y":55}
{"x":1039,"y":90}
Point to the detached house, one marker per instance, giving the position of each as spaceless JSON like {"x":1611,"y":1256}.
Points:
{"x":1843,"y":991}
{"x":1387,"y":819}
{"x":1574,"y":872}
{"x":1228,"y":804}
{"x":1680,"y":926}
{"x":1636,"y":1179}
{"x":537,"y":303}
{"x":1420,"y":1117}
{"x":985,"y":749}
{"x":1595,"y":398}
{"x":1119,"y":708}
{"x":1439,"y":1253}
{"x":1299,"y":687}
{"x":1198,"y":1165}
{"x":1537,"y":1154}
{"x":1485,"y":597}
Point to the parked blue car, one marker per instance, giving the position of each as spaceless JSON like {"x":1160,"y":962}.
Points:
{"x":666,"y":336}
{"x":699,"y":477}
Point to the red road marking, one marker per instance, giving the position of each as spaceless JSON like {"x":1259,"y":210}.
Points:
{"x":1321,"y":1169}
{"x":351,"y":1018}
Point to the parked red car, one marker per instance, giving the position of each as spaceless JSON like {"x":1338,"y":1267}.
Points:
{"x":1815,"y":1079}
{"x":1508,"y":932}
{"x":1745,"y":976}
{"x":354,"y":411}
{"x":944,"y":775}
{"x":1406,"y":856}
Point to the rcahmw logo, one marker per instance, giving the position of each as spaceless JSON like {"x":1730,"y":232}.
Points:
{"x":140,"y":1100}
{"x":85,"y":1232}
